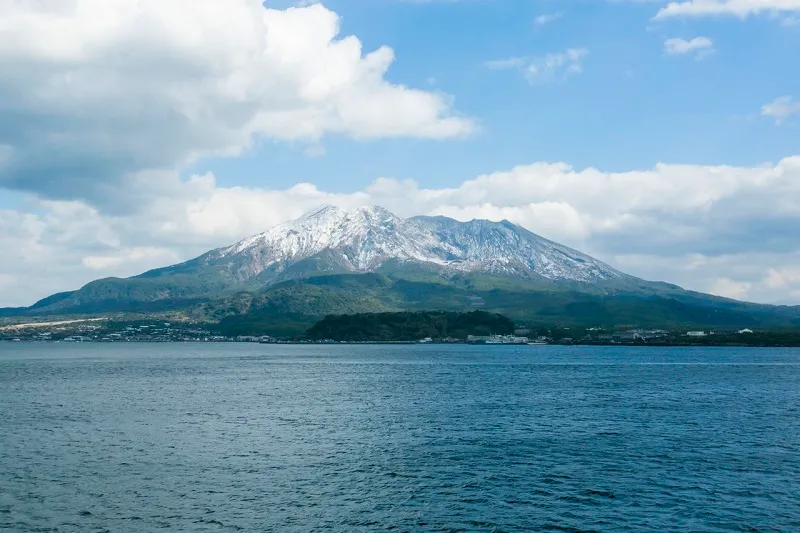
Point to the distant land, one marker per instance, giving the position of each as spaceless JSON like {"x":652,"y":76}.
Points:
{"x":336,"y":261}
{"x":423,"y":327}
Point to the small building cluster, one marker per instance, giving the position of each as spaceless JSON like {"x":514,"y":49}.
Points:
{"x":496,"y":339}
{"x":632,"y":335}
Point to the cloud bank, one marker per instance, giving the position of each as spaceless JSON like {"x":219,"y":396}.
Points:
{"x":119,"y":91}
{"x":739,"y":8}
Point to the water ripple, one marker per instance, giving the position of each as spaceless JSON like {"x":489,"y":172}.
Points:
{"x":398,"y":438}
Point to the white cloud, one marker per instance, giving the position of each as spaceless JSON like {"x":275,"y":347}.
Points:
{"x":143,"y":257}
{"x":781,"y":108}
{"x":547,"y":18}
{"x":730,"y":288}
{"x":782,"y":277}
{"x":743,"y":276}
{"x":114,"y":90}
{"x":739,"y":8}
{"x":555,"y":65}
{"x":709,"y":228}
{"x":701,"y":47}
{"x":542,"y":69}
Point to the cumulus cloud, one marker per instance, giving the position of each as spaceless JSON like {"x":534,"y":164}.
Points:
{"x":117,"y":91}
{"x":546,"y":68}
{"x":782,"y":277}
{"x":729,"y":230}
{"x":700,"y":47}
{"x":743,"y":276}
{"x":730,"y":289}
{"x":739,"y":8}
{"x":781,"y":108}
{"x":147,"y":257}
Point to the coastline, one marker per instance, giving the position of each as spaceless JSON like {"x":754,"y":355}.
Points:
{"x":406,"y":343}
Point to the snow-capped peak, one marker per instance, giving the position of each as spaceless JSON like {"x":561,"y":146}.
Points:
{"x":332,"y":211}
{"x":362,"y":239}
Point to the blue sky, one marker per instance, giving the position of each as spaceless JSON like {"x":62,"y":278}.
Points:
{"x":662,"y":138}
{"x":632,"y":105}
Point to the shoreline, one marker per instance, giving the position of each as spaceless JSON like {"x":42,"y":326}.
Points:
{"x":406,"y":343}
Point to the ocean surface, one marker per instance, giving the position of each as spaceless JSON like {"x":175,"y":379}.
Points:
{"x":243,"y":437}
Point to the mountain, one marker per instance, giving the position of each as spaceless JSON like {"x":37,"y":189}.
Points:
{"x":331,"y":240}
{"x":366,"y":259}
{"x":367,"y":239}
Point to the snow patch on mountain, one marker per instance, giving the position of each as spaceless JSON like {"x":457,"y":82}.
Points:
{"x":365,"y":238}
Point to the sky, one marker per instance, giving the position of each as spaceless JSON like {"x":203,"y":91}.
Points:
{"x":660,"y":137}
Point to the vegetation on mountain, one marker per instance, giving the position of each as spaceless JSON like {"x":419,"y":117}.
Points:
{"x":292,"y":307}
{"x":409,"y":326}
{"x":289,"y":308}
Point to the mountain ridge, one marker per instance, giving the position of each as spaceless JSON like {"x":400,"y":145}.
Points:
{"x":478,"y":256}
{"x":365,"y":237}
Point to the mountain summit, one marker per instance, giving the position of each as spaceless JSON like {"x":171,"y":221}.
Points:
{"x":367,"y":239}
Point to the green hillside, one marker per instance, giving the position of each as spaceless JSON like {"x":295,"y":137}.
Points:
{"x":292,"y":307}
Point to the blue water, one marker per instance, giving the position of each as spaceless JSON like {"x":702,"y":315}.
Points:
{"x":224,"y":437}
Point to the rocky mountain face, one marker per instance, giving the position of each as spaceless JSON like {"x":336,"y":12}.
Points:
{"x":367,"y":239}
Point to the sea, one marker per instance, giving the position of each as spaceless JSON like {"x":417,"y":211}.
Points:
{"x":255,"y":437}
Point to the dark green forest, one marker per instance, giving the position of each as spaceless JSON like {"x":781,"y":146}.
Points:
{"x":377,"y":327}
